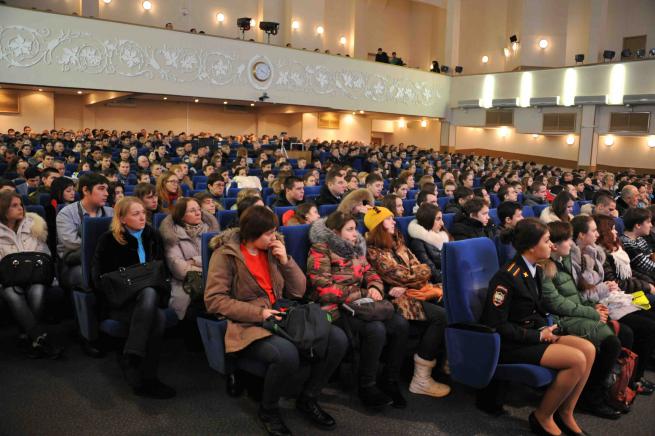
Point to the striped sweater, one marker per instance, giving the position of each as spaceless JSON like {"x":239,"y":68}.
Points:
{"x":640,"y":255}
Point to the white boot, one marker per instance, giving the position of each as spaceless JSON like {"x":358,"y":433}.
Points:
{"x":423,"y":383}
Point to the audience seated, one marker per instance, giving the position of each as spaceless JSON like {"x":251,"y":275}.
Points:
{"x":563,"y":299}
{"x":587,"y":260}
{"x":427,"y":236}
{"x":404,"y":278}
{"x":560,"y":210}
{"x":131,"y":241}
{"x":394,"y":204}
{"x":334,"y":188}
{"x":536,"y":195}
{"x":248,"y":273}
{"x":306,"y":213}
{"x":25,"y":232}
{"x":474,"y":222}
{"x":526,"y":337}
{"x":340,"y":274}
{"x":93,"y":190}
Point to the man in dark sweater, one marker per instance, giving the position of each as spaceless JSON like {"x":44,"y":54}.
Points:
{"x":293,"y":194}
{"x":332,"y":191}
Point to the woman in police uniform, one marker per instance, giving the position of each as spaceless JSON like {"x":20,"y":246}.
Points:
{"x":513,"y":307}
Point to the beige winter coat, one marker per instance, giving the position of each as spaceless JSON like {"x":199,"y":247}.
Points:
{"x":32,"y":235}
{"x":183,"y":254}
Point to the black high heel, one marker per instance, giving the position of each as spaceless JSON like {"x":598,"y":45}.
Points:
{"x":565,"y":428}
{"x":536,"y":427}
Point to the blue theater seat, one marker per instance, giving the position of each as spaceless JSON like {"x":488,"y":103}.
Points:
{"x":493,"y":215}
{"x":473,"y":349}
{"x":618,"y":224}
{"x":528,"y":211}
{"x":228,"y":202}
{"x":158,"y":218}
{"x":403,"y":224}
{"x":296,"y":241}
{"x":443,"y":201}
{"x":448,"y":220}
{"x":36,"y":208}
{"x":225,"y":217}
{"x":495,"y":201}
{"x":408,"y":206}
{"x":312,"y":190}
{"x":327,"y":209}
{"x":538,"y":208}
{"x":279,"y":211}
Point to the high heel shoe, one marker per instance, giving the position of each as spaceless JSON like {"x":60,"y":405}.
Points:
{"x":565,"y":428}
{"x":536,"y":427}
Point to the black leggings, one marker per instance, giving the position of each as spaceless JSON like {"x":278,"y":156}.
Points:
{"x":642,"y":324}
{"x":608,"y":351}
{"x":283,"y":362}
{"x":71,"y":276}
{"x":372,"y":336}
{"x":147,"y":326}
{"x":433,"y":330}
{"x":26,"y":307}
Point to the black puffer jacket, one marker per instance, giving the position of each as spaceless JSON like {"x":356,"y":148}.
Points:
{"x":469,"y":228}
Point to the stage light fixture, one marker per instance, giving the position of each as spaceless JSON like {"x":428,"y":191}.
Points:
{"x":445,"y":68}
{"x":626,"y":53}
{"x":579,"y":58}
{"x":459,"y":69}
{"x":270,"y":27}
{"x":608,"y":55}
{"x":243,"y":24}
{"x":640,"y":53}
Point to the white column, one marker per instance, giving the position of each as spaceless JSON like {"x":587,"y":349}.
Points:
{"x":588,"y":147}
{"x":453,"y":20}
{"x":597,"y":31}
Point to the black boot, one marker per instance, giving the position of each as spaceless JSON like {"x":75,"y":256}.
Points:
{"x":310,"y":409}
{"x":392,"y":389}
{"x":131,"y":367}
{"x":373,"y":397}
{"x":272,"y":422}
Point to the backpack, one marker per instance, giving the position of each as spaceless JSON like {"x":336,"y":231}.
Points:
{"x":619,"y":388}
{"x":307,"y":326}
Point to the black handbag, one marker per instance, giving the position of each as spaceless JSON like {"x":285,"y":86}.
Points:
{"x":122,"y":285}
{"x":26,"y":268}
{"x":368,"y":309}
{"x":192,"y":285}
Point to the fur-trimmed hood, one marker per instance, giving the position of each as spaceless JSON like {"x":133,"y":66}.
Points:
{"x":39,"y":228}
{"x":354,"y":198}
{"x":417,"y":231}
{"x":319,"y":233}
{"x":171,"y":233}
{"x":31,"y":235}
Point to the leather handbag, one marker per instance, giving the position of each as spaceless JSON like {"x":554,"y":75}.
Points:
{"x":123,"y":285}
{"x":192,"y":285}
{"x":26,"y":268}
{"x":368,"y":309}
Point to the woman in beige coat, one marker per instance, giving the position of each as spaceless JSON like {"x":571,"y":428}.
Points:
{"x":248,"y":272}
{"x":25,"y":232}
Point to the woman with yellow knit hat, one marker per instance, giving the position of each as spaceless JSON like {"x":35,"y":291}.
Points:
{"x":406,"y":282}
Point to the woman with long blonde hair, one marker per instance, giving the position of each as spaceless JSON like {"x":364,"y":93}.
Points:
{"x":131,"y":241}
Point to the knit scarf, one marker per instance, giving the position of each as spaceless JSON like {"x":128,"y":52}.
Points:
{"x":194,"y":230}
{"x":622,"y":262}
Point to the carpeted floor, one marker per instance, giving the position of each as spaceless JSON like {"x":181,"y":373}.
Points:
{"x":83,"y":396}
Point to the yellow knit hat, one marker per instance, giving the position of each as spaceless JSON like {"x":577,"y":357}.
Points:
{"x":375,"y":216}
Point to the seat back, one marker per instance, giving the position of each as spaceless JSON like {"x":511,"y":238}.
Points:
{"x":442,"y":202}
{"x":538,"y":208}
{"x":312,"y":190}
{"x":279,"y":211}
{"x":506,"y":252}
{"x":528,"y":211}
{"x":467,"y":267}
{"x":158,"y":218}
{"x":225,"y":217}
{"x":408,"y":206}
{"x":205,"y":254}
{"x":327,"y":209}
{"x":296,"y":241}
{"x":493,"y":215}
{"x":403,"y":224}
{"x":495,"y":201}
{"x":448,"y":220}
{"x":92,"y":229}
{"x":618,"y":224}
{"x":36,"y":208}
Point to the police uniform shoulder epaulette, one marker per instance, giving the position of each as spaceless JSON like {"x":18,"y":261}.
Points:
{"x":513,"y":269}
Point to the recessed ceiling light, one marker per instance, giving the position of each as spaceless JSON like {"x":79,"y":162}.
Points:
{"x":220,"y":17}
{"x":165,"y":98}
{"x":40,"y":89}
{"x":224,"y":102}
{"x":320,"y":30}
{"x":252,"y":104}
{"x":361,"y":112}
{"x":147,"y":5}
{"x":196,"y":100}
{"x":79,"y":92}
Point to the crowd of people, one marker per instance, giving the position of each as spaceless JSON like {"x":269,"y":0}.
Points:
{"x":564,"y":300}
